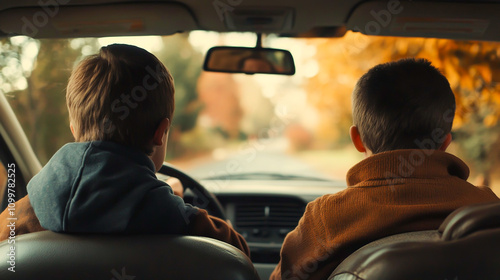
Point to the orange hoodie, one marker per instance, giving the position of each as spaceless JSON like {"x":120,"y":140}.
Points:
{"x":388,"y":193}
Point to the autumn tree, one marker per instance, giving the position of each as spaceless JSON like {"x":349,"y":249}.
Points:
{"x":473,"y":69}
{"x":184,"y":63}
{"x":36,"y":87}
{"x":37,"y":90}
{"x":219,"y":94}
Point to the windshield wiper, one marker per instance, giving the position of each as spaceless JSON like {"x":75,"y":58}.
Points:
{"x":266,"y":176}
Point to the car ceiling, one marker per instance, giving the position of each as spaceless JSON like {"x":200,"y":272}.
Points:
{"x":313,"y":18}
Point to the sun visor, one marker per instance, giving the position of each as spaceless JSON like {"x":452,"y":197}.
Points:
{"x":97,"y":21}
{"x":257,"y":19}
{"x":471,"y":21}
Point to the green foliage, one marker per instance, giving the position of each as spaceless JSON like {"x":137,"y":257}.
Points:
{"x":478,"y":143}
{"x":40,"y":106}
{"x":184,"y":63}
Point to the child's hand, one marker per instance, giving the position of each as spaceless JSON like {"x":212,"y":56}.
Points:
{"x":176,"y":186}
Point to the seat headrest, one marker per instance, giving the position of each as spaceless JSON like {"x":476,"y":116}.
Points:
{"x":49,"y":255}
{"x":468,"y":248}
{"x":354,"y":265}
{"x":473,"y":257}
{"x":469,"y":219}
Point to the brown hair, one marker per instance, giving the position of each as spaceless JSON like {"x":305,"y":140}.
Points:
{"x":402,"y":104}
{"x":120,"y":94}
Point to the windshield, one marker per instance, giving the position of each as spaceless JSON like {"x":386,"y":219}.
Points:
{"x":262,"y":126}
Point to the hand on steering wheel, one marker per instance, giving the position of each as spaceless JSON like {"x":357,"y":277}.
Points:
{"x":202,"y":198}
{"x":176,"y":186}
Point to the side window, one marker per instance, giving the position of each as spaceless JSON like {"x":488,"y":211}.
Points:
{"x":12,"y":183}
{"x":3,"y":181}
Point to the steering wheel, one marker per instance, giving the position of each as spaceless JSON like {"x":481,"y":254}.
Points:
{"x":202,"y":198}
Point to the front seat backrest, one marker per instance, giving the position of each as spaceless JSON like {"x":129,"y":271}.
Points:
{"x":470,"y":249}
{"x":55,"y":256}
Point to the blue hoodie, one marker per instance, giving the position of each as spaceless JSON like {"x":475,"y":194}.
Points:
{"x":104,"y":187}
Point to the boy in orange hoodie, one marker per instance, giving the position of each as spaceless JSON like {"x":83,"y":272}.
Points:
{"x":403,"y":113}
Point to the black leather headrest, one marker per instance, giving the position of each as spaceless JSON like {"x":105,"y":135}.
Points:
{"x":474,"y":257}
{"x":49,"y":255}
{"x":469,"y":248}
{"x":360,"y":263}
{"x":469,"y":219}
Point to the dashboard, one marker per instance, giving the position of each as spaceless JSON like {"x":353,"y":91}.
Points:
{"x":265,"y":211}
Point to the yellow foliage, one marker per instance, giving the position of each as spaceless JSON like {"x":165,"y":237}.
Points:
{"x":485,"y":71}
{"x":490,"y":120}
{"x":472,"y":68}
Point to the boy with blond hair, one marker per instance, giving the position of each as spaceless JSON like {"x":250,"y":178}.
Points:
{"x":120,"y":103}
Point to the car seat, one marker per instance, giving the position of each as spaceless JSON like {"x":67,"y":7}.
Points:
{"x":466,"y":246}
{"x":49,"y":255}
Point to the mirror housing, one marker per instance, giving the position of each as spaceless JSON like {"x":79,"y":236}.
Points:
{"x":249,"y":60}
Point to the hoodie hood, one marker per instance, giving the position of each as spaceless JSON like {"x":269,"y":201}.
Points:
{"x":101,"y":187}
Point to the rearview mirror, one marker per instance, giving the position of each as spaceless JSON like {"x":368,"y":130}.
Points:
{"x":249,"y":60}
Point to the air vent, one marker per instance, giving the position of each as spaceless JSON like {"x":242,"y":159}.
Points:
{"x":267,"y":213}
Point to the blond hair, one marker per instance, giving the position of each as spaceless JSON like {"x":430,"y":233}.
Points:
{"x":120,"y":94}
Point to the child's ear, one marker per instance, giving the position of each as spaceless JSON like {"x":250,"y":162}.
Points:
{"x":446,"y":142}
{"x":72,"y":130}
{"x":356,"y":139}
{"x":160,"y":132}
